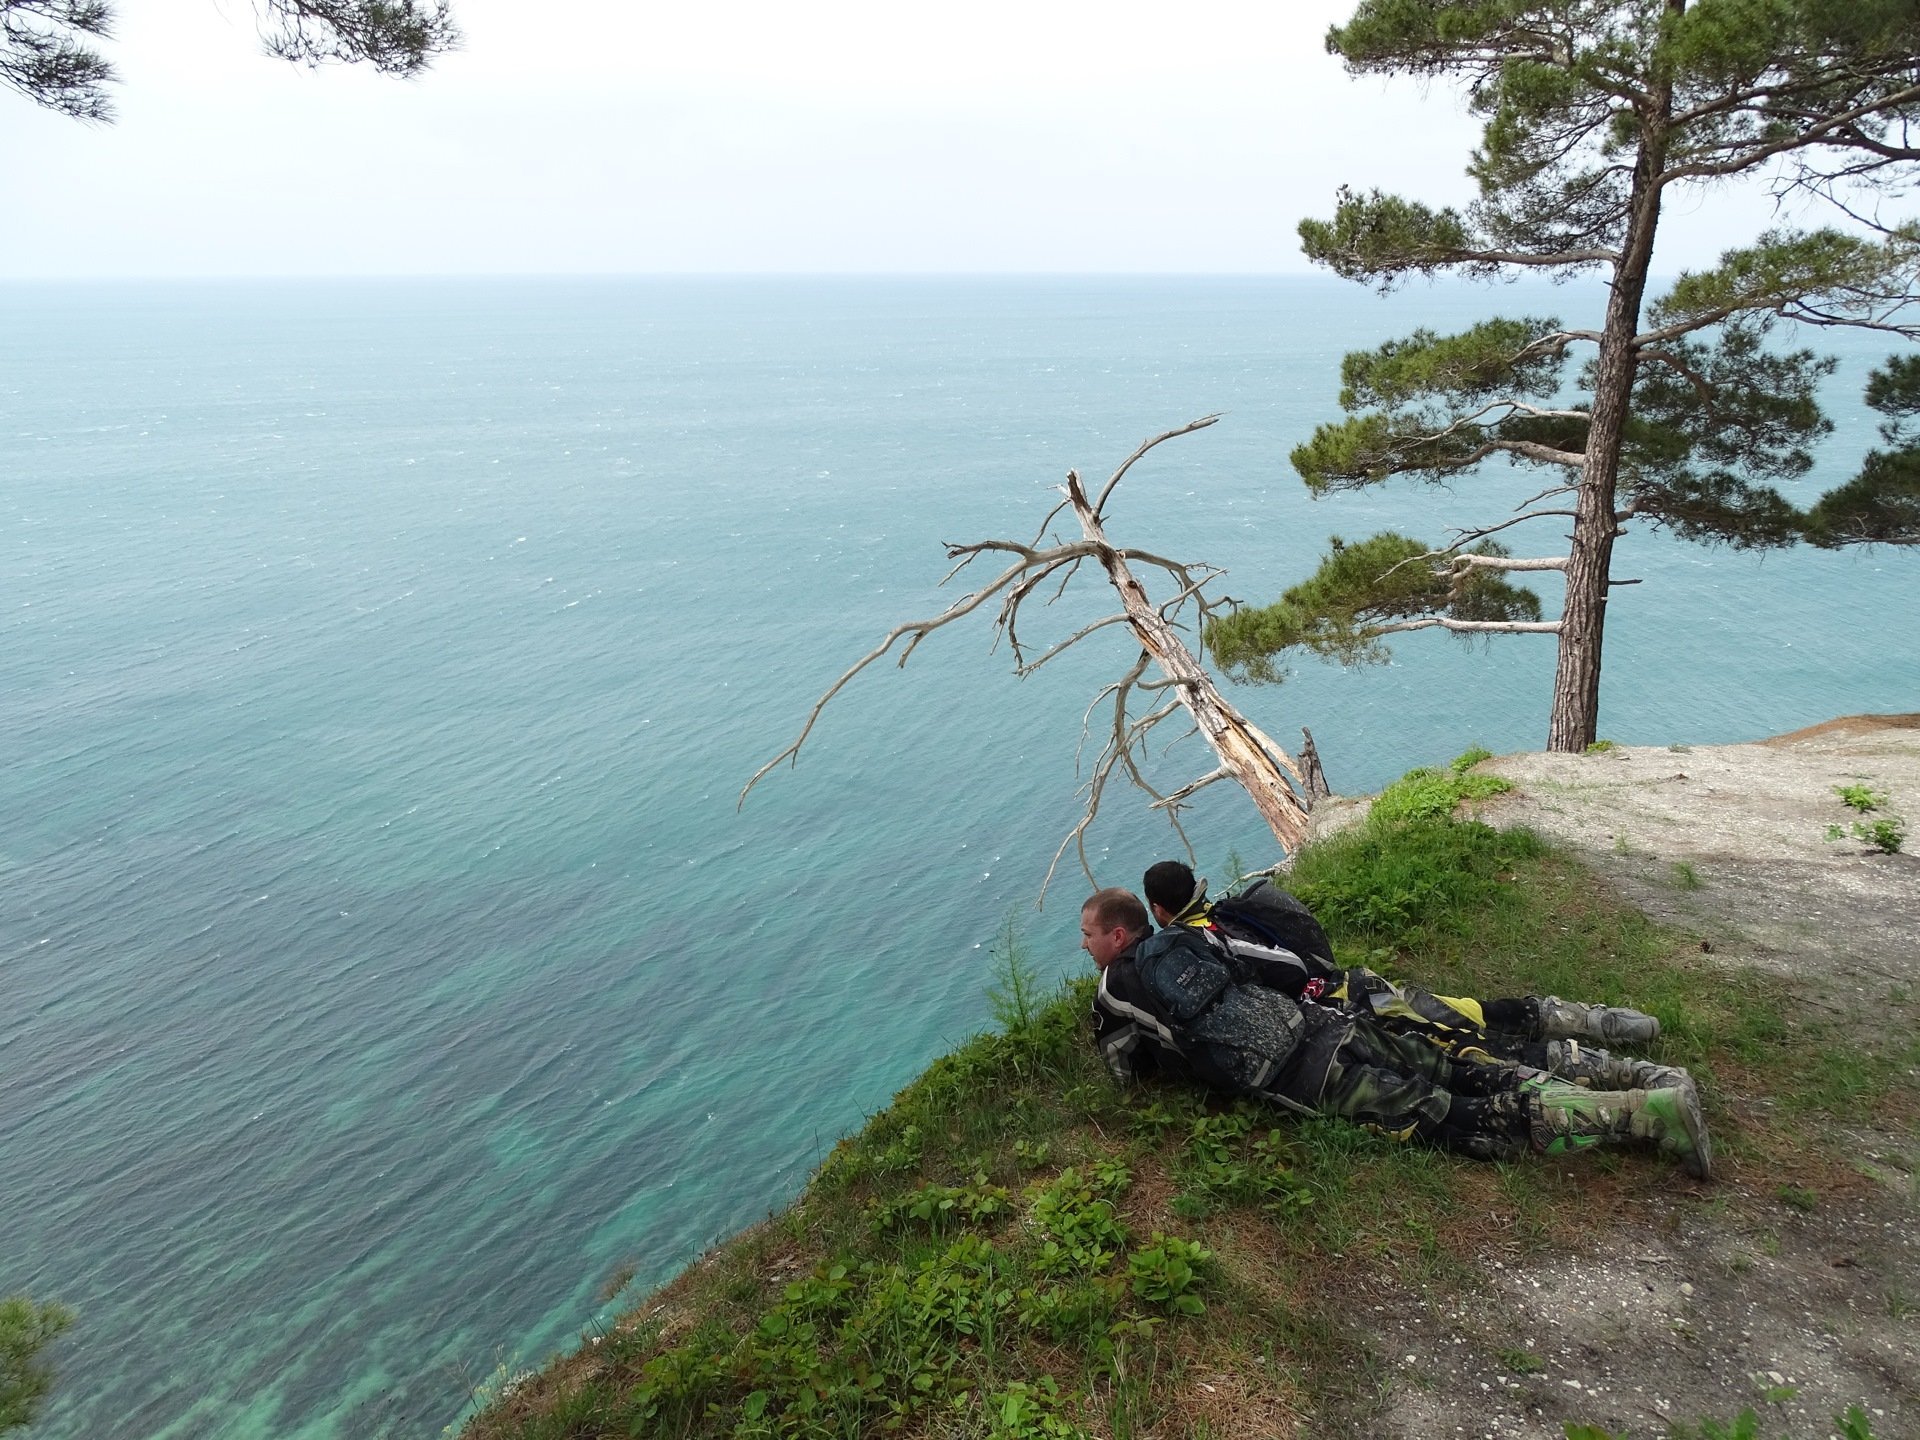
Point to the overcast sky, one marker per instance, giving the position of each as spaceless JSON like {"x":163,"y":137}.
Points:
{"x":739,"y":136}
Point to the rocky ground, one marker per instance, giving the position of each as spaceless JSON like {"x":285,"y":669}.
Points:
{"x":1754,"y":1290}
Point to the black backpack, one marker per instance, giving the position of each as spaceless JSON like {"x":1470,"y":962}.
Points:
{"x":1268,"y":915}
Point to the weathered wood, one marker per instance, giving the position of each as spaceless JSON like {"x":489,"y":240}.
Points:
{"x":1266,"y":772}
{"x":1311,"y":771}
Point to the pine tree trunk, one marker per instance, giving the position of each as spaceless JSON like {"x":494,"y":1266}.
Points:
{"x":1575,"y":720}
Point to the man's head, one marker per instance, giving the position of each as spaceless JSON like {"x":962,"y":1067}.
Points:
{"x":1110,"y":921}
{"x":1171,"y":888}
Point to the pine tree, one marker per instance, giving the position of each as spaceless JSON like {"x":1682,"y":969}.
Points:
{"x":1687,"y":413}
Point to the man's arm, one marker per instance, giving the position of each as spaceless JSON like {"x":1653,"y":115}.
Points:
{"x":1132,"y":1040}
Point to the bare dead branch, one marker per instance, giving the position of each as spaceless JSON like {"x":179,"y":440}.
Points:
{"x":1145,"y":445}
{"x":1489,"y":627}
{"x":1468,"y":536}
{"x":1509,"y":562}
{"x":918,"y":629}
{"x":1073,"y":639}
{"x":1192,"y":788}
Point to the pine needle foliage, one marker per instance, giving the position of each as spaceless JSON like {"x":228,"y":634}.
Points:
{"x":49,"y":49}
{"x":1337,"y":612}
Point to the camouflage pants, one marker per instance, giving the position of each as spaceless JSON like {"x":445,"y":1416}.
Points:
{"x":1405,"y":1087}
{"x":1455,"y":1023}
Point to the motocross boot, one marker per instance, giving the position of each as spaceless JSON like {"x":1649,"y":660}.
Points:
{"x":1602,"y":1024}
{"x":1585,"y":1065}
{"x":1565,"y":1117}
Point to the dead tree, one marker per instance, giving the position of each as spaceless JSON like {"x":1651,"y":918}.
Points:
{"x":1245,"y":753}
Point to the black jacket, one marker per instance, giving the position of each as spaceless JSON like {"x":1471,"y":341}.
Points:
{"x":1179,"y":1003}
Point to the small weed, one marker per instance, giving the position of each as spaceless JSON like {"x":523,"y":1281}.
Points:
{"x":1522,"y":1362}
{"x":902,"y":1154}
{"x":1154,"y":1119}
{"x":1620,"y":845}
{"x":1797,"y":1197}
{"x":1860,"y":797}
{"x":1601,"y":747}
{"x":1225,"y":1165}
{"x":1900,"y":1304}
{"x":1887,"y":834}
{"x":1746,"y":1426}
{"x":1684,"y":876}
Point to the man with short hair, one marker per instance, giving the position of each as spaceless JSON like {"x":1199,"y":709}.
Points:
{"x":1285,"y":948}
{"x":1175,"y":1003}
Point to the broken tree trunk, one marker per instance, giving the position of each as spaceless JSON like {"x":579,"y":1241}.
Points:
{"x":1266,"y":771}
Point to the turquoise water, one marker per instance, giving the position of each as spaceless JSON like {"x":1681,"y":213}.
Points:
{"x":384,"y":960}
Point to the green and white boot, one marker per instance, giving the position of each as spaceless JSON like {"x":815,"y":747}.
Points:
{"x":1586,"y":1065}
{"x":1602,"y":1024}
{"x":1565,"y":1118}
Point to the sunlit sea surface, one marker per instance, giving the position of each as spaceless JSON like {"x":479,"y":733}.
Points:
{"x":383,"y":960}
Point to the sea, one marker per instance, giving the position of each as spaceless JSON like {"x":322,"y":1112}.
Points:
{"x":386,"y":956}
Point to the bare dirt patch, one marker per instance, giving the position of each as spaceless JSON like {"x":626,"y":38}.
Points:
{"x":1758,"y":1290}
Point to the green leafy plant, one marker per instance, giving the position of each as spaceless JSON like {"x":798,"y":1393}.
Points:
{"x":903,"y":1153}
{"x":1076,"y":1215}
{"x":939,"y":1207}
{"x":1434,"y":794}
{"x":1885,"y":833}
{"x":1167,"y":1273}
{"x":1227,"y":1164}
{"x":1685,"y":877}
{"x":1023,"y":1411}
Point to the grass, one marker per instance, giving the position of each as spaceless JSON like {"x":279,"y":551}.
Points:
{"x":1017,"y":1248}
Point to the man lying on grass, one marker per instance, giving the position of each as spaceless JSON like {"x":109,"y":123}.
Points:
{"x":1179,"y":1002}
{"x":1282,"y":947}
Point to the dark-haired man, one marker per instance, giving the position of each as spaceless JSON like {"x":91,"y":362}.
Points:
{"x":1173,"y":1003}
{"x":1285,"y":948}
